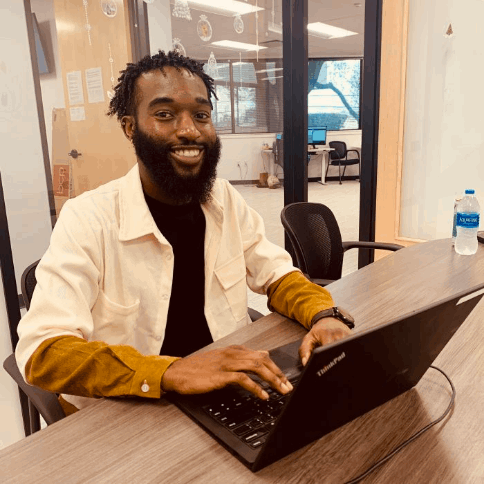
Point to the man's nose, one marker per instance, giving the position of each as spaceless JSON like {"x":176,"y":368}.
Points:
{"x":186,"y":129}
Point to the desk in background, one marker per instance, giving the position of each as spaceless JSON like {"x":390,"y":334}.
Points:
{"x":141,"y":441}
{"x":322,"y":151}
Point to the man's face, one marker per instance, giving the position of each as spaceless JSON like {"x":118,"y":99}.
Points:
{"x":173,"y":135}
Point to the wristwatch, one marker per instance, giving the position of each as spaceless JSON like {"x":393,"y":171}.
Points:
{"x":335,"y":312}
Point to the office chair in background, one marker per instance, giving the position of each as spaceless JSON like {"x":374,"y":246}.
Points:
{"x":339,"y":157}
{"x":315,"y":236}
{"x":41,"y":401}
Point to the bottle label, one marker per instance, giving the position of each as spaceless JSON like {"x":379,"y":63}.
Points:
{"x":467,"y":220}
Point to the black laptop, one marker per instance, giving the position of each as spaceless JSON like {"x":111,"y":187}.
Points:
{"x":340,"y":382}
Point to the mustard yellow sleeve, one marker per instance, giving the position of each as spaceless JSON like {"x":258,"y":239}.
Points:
{"x":71,"y":365}
{"x":295,"y":297}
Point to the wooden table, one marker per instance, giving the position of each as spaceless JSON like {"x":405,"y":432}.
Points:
{"x":127,"y":441}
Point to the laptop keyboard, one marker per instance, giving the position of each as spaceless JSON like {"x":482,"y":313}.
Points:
{"x":246,"y":416}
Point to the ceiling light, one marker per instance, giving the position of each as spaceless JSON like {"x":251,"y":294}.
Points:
{"x":325,"y":31}
{"x":270,"y":78}
{"x":229,"y":8}
{"x":270,"y":70}
{"x":232,"y":45}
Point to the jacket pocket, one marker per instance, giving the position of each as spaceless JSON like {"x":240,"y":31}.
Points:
{"x":113,"y":322}
{"x":232,"y":277}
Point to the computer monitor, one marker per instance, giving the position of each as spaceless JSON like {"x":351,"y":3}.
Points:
{"x":317,"y":135}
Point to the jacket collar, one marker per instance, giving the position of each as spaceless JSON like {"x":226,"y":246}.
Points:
{"x":135,"y":216}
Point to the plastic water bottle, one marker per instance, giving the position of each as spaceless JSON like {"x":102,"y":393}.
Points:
{"x":467,"y":223}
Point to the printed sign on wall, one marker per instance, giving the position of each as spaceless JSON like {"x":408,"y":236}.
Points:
{"x":94,"y":83}
{"x":74,"y":88}
{"x":78,"y":114}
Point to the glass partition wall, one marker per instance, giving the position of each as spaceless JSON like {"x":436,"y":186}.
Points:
{"x":335,"y":67}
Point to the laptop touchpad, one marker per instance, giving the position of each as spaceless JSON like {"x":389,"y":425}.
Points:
{"x":287,"y":357}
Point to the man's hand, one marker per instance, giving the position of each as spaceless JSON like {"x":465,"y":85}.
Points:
{"x":323,"y":332}
{"x":216,"y":369}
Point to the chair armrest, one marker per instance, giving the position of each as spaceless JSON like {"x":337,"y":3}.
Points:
{"x":254,"y":315}
{"x":45,"y":402}
{"x":319,"y":282}
{"x":354,"y":151}
{"x":371,"y":245}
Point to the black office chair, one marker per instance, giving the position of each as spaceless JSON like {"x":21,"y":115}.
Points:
{"x":315,"y":236}
{"x":339,"y":157}
{"x":278,"y":152}
{"x":40,"y":401}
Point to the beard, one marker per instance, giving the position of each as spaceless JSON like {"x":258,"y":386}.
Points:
{"x":155,"y":156}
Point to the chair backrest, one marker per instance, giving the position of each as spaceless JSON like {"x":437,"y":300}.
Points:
{"x":339,"y":150}
{"x":45,"y":402}
{"x":278,"y":150}
{"x":314,"y":233}
{"x":28,"y":283}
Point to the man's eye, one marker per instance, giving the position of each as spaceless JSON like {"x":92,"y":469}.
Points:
{"x":203,"y":116}
{"x":162,"y":114}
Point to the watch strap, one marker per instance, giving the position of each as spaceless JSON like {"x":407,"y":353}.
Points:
{"x":331,"y":313}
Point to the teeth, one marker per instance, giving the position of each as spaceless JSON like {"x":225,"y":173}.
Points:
{"x":188,"y":152}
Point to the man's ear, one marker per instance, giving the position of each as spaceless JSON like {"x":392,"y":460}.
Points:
{"x":128,"y":126}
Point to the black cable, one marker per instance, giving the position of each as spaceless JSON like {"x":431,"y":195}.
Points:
{"x":413,"y":437}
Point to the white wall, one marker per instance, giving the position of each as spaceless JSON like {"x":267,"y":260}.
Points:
{"x":444,"y":126}
{"x":245,"y":150}
{"x":51,"y":84}
{"x":23,"y":178}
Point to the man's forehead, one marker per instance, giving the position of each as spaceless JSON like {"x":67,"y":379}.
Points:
{"x":169,"y":79}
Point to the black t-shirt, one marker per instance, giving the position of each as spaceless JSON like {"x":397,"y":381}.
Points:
{"x":184,"y":228}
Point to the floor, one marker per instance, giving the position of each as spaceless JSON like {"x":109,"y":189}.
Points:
{"x":343,"y":200}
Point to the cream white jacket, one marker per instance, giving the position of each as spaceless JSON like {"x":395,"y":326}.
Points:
{"x":107,"y":273}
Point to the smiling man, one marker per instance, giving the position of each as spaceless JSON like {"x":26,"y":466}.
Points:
{"x":149,"y":268}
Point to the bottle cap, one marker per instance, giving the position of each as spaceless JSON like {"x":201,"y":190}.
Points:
{"x":470,"y":192}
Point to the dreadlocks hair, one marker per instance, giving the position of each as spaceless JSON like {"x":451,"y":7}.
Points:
{"x":124,"y":99}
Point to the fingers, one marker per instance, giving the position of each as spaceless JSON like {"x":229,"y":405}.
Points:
{"x":307,"y":346}
{"x":259,"y":363}
{"x":248,"y":384}
{"x":326,"y":331}
{"x":218,"y":368}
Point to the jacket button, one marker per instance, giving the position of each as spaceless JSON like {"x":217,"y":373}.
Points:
{"x":158,"y":338}
{"x":145,"y":387}
{"x":165,"y":297}
{"x":169,"y":257}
